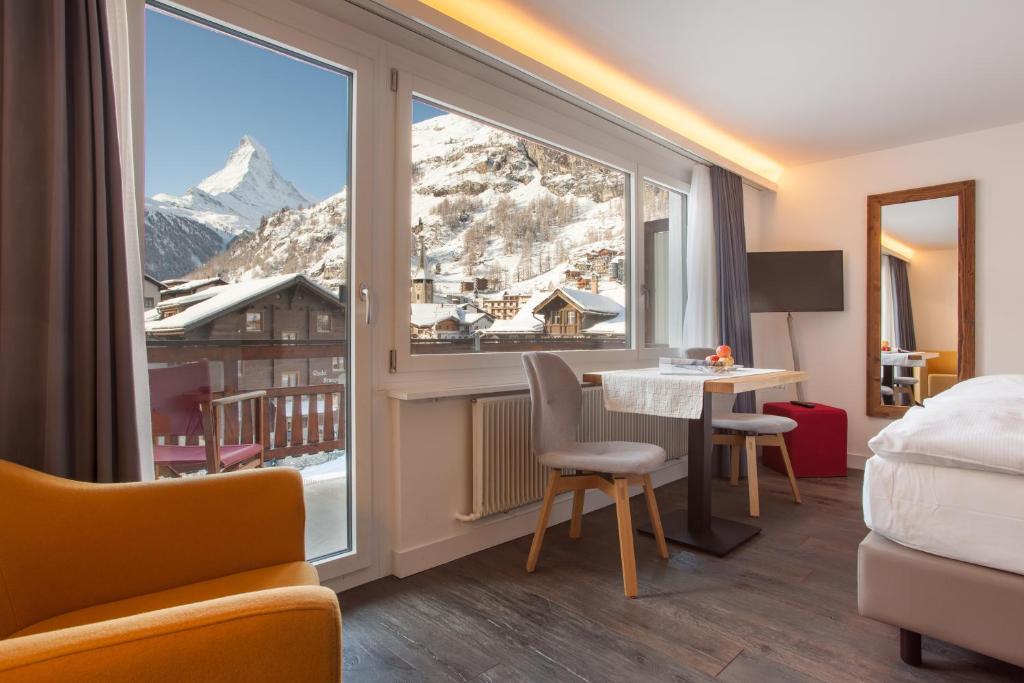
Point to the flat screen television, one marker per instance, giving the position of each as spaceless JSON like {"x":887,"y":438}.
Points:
{"x":791,"y":281}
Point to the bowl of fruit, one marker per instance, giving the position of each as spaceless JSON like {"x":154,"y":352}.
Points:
{"x":721,"y":361}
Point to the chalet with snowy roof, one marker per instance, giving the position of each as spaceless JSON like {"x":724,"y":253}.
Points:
{"x":569,"y":312}
{"x":476,"y":284}
{"x":446,"y":321}
{"x":287,"y":314}
{"x":178,"y":287}
{"x":151,"y":289}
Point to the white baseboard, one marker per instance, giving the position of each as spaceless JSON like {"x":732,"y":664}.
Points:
{"x":856,"y":462}
{"x":498,"y":529}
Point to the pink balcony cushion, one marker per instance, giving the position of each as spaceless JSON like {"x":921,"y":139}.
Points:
{"x":180,"y":455}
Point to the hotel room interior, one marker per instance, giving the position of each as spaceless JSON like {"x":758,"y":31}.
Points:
{"x":511,"y":340}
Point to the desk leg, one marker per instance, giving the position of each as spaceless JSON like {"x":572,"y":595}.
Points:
{"x":695,"y":527}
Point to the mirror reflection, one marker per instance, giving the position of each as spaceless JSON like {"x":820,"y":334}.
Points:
{"x":918,"y":291}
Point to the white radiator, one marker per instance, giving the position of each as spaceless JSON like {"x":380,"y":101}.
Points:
{"x":505,"y":473}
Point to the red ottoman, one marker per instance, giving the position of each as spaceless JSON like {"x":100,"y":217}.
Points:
{"x":817,"y":447}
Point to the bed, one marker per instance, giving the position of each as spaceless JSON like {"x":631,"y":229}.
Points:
{"x":944,"y":499}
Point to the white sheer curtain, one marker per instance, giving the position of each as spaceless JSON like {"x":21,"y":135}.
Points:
{"x":700,"y":322}
{"x":125,"y":24}
{"x":887,"y":309}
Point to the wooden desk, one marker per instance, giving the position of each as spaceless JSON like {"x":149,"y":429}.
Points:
{"x":695,"y":527}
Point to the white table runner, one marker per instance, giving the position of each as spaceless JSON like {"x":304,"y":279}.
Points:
{"x":649,"y":392}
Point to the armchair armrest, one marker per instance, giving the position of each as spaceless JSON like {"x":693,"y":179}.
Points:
{"x":283,"y":634}
{"x":77,"y":545}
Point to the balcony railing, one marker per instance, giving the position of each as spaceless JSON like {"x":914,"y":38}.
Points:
{"x":298,"y":421}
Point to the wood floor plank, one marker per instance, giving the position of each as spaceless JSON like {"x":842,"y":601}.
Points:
{"x":783,"y":607}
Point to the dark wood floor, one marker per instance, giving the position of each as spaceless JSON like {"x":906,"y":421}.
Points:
{"x":781,"y":608}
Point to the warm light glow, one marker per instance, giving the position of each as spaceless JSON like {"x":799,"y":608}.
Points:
{"x":895,"y":246}
{"x":509,"y":25}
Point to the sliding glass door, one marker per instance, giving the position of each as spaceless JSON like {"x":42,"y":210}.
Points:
{"x":249,"y":265}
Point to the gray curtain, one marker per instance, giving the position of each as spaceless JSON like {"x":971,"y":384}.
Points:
{"x":733,"y":288}
{"x":903,"y":311}
{"x":67,"y":398}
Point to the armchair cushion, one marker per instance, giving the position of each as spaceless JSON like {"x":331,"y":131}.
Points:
{"x":78,"y":545}
{"x":281,"y":634}
{"x":278,"y":576}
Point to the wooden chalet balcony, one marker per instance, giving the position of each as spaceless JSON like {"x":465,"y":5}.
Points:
{"x":299,"y":420}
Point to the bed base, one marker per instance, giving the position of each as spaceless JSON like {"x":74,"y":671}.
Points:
{"x":971,"y":606}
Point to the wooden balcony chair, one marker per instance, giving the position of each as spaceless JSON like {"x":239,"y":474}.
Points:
{"x":747,"y":431}
{"x":183,"y":408}
{"x":610,"y":466}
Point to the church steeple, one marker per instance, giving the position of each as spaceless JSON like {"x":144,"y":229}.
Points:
{"x":422,"y":291}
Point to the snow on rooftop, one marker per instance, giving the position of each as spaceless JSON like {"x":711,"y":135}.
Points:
{"x":591,"y":302}
{"x":224,"y":299}
{"x":189,"y":285}
{"x":524,"y":321}
{"x":426,"y":315}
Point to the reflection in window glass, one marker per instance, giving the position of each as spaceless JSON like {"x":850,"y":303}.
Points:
{"x":515,"y":245}
{"x":664,"y":212}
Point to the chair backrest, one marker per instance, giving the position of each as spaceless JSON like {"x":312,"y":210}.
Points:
{"x":175,"y":396}
{"x":556,"y":401}
{"x":698,"y":352}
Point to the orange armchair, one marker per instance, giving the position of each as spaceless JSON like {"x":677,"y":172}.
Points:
{"x":200,"y":578}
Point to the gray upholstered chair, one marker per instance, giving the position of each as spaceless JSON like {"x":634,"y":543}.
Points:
{"x":610,"y":466}
{"x":747,"y":431}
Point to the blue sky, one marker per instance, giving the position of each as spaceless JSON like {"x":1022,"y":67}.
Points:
{"x":205,"y":90}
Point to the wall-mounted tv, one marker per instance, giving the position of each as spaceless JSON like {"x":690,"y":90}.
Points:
{"x":791,"y":281}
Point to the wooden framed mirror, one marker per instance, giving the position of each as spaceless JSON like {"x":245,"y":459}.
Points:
{"x":920,"y":309}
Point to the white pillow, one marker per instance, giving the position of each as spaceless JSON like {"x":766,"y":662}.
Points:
{"x":976,"y":424}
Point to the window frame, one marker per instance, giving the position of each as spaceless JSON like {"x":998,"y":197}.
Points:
{"x":254,"y":325}
{"x":328,"y":39}
{"x":656,"y":177}
{"x":323,"y":315}
{"x":411,"y":86}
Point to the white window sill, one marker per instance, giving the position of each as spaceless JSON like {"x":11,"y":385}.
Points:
{"x":433,"y":385}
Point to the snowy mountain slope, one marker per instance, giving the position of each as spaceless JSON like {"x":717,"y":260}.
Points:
{"x":495,"y":205}
{"x":311,"y":241}
{"x":491,"y":204}
{"x":236,"y":197}
{"x":175,"y":245}
{"x":230,"y":202}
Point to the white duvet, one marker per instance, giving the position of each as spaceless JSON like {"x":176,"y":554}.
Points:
{"x":976,"y":424}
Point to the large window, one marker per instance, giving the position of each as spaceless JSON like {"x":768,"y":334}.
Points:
{"x":515,"y":245}
{"x":246,"y":229}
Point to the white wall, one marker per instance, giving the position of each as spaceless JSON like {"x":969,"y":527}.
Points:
{"x":823,"y":206}
{"x":933,"y":285}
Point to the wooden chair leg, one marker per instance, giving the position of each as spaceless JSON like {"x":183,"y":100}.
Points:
{"x":734,"y":464}
{"x":755,"y":503}
{"x":625,"y":537}
{"x":542,"y":520}
{"x":576,"y":525}
{"x":652,"y":511}
{"x":789,"y":468}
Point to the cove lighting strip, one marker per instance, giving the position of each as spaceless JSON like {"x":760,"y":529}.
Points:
{"x":514,"y":28}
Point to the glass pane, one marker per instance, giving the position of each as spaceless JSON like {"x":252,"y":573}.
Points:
{"x":246,"y":264}
{"x":664,"y":265}
{"x":516,"y":245}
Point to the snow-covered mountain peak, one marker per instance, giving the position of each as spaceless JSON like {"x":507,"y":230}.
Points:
{"x":249,"y":160}
{"x":234,"y":199}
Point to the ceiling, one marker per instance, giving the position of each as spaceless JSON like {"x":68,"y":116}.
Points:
{"x":804,"y":80}
{"x":927,"y":224}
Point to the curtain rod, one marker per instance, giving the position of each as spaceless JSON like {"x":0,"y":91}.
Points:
{"x":449,"y":41}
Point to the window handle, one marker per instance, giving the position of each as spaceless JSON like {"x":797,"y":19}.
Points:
{"x":364,"y":296}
